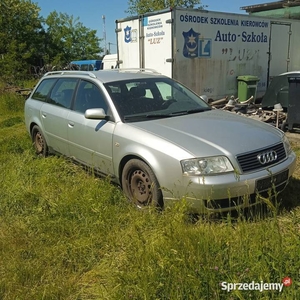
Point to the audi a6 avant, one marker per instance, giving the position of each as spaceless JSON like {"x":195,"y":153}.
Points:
{"x":157,"y":139}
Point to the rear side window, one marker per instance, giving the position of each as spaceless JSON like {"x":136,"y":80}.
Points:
{"x":63,"y":92}
{"x":43,"y":89}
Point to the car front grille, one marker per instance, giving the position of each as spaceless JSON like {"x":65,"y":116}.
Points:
{"x":237,"y":203}
{"x":250,"y":162}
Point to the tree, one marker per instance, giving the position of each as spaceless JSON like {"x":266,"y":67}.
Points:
{"x":67,"y":40}
{"x":20,"y":35}
{"x":138,"y":7}
{"x":27,"y":40}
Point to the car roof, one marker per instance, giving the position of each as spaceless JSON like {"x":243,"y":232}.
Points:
{"x":289,"y":73}
{"x":109,"y":75}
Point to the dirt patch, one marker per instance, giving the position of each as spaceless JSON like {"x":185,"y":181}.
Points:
{"x":294,"y":137}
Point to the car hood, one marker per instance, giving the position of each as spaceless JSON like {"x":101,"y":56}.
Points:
{"x":213,"y":132}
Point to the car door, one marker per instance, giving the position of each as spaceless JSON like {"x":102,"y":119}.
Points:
{"x":54,"y":114}
{"x":90,"y":141}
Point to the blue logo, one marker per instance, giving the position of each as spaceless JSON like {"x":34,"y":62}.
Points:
{"x":205,"y":48}
{"x":191,"y":41}
{"x":195,"y":46}
{"x":127,"y":36}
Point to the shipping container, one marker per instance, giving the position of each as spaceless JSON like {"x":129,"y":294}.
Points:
{"x":208,"y":51}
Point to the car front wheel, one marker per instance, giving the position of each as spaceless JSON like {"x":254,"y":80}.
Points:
{"x":39,"y":142}
{"x":140,"y":184}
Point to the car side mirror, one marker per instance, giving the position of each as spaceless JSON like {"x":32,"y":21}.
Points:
{"x":95,"y":113}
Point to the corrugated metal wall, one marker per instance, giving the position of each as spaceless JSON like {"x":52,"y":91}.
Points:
{"x":286,"y":12}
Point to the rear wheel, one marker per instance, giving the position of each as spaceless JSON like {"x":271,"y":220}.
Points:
{"x":140,"y":184}
{"x":39,"y":142}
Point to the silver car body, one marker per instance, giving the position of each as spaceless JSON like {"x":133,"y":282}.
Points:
{"x":164,"y":143}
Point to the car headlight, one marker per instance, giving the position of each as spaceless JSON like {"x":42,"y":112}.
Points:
{"x":206,"y":166}
{"x":287,"y":145}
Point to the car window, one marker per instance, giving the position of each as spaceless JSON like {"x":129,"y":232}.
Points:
{"x":89,"y":96}
{"x":43,"y":89}
{"x":150,"y":97}
{"x":63,"y":92}
{"x":139,"y":89}
{"x":165,"y":90}
{"x":114,"y":88}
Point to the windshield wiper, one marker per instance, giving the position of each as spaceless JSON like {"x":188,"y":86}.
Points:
{"x":190,"y":111}
{"x":147,"y":116}
{"x":173,"y":114}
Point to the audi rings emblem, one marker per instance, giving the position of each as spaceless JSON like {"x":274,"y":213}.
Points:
{"x":267,"y":157}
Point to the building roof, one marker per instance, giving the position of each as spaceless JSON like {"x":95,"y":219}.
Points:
{"x":270,"y":6}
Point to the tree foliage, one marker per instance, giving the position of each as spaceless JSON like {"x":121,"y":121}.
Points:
{"x":27,"y":39}
{"x":20,"y":28}
{"x":137,"y":7}
{"x":68,"y":39}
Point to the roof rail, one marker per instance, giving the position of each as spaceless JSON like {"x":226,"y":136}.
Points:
{"x":64,"y":72}
{"x":146,"y":70}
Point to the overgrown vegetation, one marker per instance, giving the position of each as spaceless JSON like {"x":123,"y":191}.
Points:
{"x":65,"y":234}
{"x":32,"y":45}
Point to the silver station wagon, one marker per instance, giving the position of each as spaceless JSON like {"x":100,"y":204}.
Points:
{"x":157,"y":139}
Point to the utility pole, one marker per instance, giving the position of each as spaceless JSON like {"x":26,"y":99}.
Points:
{"x":104,"y":34}
{"x":109,"y":46}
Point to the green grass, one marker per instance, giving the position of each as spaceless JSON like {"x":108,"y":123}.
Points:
{"x":65,"y":234}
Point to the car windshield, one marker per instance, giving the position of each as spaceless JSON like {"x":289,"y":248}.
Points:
{"x":150,"y":98}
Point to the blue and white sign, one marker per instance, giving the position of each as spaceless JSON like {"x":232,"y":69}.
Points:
{"x":127,"y":37}
{"x":195,"y":46}
{"x":190,"y":47}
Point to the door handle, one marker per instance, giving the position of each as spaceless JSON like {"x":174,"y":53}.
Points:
{"x":71,"y":124}
{"x":44,"y":115}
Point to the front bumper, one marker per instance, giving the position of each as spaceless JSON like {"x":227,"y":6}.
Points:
{"x":221,"y":193}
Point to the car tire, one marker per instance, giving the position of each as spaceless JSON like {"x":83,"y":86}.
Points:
{"x":140,"y":185}
{"x":39,"y":141}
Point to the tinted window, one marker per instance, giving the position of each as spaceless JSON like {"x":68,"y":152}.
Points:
{"x":165,"y":90}
{"x":89,"y":96}
{"x":43,"y":89}
{"x":161,"y":97}
{"x":136,"y":89}
{"x":113,"y":88}
{"x":63,"y":92}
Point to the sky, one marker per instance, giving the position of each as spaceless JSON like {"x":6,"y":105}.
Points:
{"x":91,"y":13}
